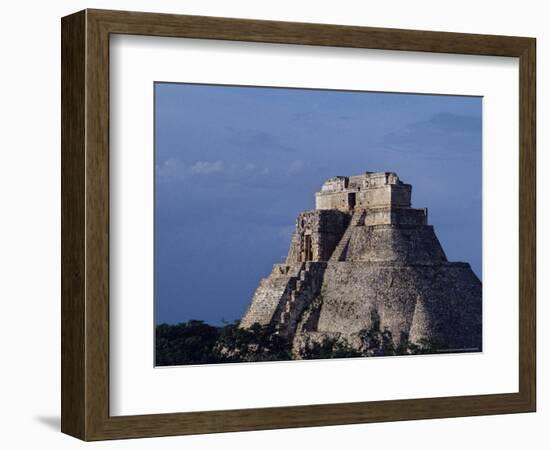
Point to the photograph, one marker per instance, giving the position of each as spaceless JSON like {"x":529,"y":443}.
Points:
{"x":297,"y":224}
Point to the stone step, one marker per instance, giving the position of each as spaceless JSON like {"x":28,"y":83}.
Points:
{"x":358,"y":217}
{"x":337,"y":253}
{"x":344,"y":241}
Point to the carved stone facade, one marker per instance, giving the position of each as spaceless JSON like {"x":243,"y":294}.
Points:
{"x":365,"y":252}
{"x":371,"y":190}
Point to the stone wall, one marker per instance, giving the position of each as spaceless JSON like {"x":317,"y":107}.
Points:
{"x":396,"y":216}
{"x":341,"y":201}
{"x":316,"y":235}
{"x":390,"y":195}
{"x":434,"y":302}
{"x":369,"y":190}
{"x":405,"y":244}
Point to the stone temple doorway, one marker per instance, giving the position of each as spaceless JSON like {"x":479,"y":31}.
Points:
{"x":308,"y":252}
{"x":351,"y":200}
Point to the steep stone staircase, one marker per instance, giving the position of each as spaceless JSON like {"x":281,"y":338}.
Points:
{"x":339,"y":252}
{"x":302,"y":291}
{"x":270,"y":293}
{"x":296,"y":287}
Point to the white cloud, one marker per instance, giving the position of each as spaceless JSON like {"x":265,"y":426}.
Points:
{"x":171,"y":168}
{"x":174,"y":169}
{"x":206,"y":167}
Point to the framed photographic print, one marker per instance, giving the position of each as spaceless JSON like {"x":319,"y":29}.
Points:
{"x":272,"y":224}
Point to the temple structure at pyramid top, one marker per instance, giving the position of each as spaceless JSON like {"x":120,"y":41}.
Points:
{"x":380,"y":203}
{"x":369,"y":190}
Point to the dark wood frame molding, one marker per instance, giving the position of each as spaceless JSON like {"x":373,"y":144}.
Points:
{"x":85,"y":224}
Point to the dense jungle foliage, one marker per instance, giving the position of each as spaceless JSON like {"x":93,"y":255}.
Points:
{"x":196,"y":342}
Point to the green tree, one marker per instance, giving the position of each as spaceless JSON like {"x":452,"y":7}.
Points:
{"x":257,"y":343}
{"x":185,"y":343}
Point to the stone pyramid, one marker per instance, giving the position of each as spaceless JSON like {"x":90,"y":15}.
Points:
{"x":365,"y":256}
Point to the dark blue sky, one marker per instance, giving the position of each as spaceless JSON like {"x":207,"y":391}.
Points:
{"x":236,"y":165}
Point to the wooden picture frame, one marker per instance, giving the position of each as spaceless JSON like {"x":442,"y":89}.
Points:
{"x":85,"y":224}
